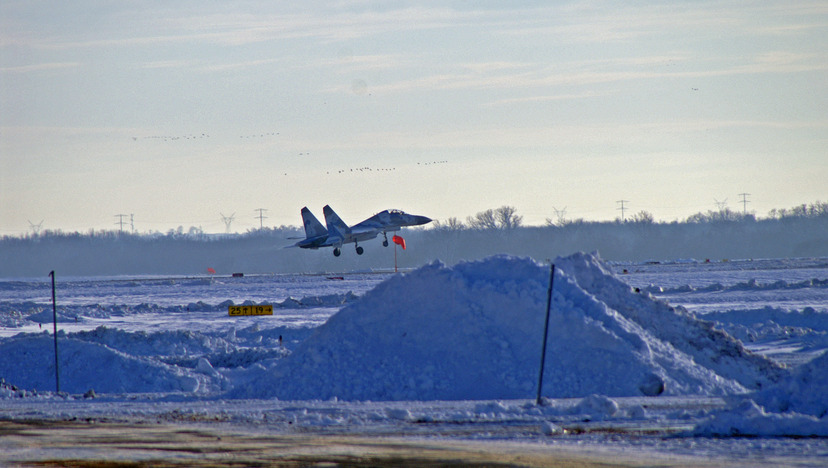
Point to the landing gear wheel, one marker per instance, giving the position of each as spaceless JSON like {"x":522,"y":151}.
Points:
{"x":385,"y":243}
{"x":359,"y":250}
{"x":337,"y":252}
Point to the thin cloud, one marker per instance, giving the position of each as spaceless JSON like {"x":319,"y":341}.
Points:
{"x":238,"y":65}
{"x":168,"y":64}
{"x":39,"y":67}
{"x":527,"y":75}
{"x":548,"y":98}
{"x":236,"y":29}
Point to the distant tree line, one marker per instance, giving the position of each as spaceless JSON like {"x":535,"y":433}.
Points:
{"x":796,"y":232}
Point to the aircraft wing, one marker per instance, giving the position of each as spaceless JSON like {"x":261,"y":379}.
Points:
{"x":389,"y":220}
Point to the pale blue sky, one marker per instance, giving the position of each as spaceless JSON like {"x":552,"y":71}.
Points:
{"x":178,"y":111}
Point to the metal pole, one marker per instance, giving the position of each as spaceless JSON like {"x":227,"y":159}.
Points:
{"x":54,"y":323}
{"x":545,"y":332}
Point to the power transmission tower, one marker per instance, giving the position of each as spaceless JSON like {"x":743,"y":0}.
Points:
{"x":745,"y":201}
{"x":35,"y":227}
{"x":132,"y":223}
{"x":622,"y":208}
{"x":721,"y":205}
{"x":120,"y":222}
{"x":227,"y":221}
{"x":261,"y":216}
{"x":560,"y":214}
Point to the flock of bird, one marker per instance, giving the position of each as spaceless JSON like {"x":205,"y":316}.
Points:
{"x":351,"y":170}
{"x":364,"y":169}
{"x":383,"y":169}
{"x":196,"y":137}
{"x":171,"y":137}
{"x":260,"y":135}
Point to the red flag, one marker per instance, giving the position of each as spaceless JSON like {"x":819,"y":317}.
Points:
{"x":399,"y":241}
{"x":211,"y":271}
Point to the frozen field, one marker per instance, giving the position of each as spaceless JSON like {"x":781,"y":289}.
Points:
{"x":445,"y":353}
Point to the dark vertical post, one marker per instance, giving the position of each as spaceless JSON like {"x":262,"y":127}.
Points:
{"x":545,"y":331}
{"x":54,"y":322}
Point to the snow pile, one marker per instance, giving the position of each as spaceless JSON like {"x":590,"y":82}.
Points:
{"x":807,"y":318}
{"x":751,"y":285}
{"x":797,"y":406}
{"x":708,"y":347}
{"x":474,"y":331}
{"x":18,"y":314}
{"x":806,"y":328}
{"x":806,"y":391}
{"x":749,"y":419}
{"x":142,"y":343}
{"x":85,"y":366}
{"x":48,"y":316}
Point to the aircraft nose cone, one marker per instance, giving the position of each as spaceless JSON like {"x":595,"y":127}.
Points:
{"x":422,"y":219}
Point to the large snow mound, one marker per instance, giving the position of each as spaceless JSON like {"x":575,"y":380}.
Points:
{"x":27,"y":361}
{"x":474,"y":331}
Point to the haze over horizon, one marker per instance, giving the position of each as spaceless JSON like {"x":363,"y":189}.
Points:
{"x":175,"y":113}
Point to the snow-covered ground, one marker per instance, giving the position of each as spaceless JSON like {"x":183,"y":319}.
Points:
{"x":684,"y":358}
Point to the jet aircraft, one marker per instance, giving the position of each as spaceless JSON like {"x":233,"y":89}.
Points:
{"x":337,"y":233}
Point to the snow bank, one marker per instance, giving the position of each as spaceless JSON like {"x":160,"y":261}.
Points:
{"x":806,"y":391}
{"x":751,"y":285}
{"x":27,"y":361}
{"x":797,"y":406}
{"x":749,"y":419}
{"x":474,"y":331}
{"x":708,"y":347}
{"x":807,"y":318}
{"x":164,"y":343}
{"x":806,"y":329}
{"x":17,"y":314}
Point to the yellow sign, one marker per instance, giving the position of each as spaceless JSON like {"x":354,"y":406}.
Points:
{"x":250,"y":310}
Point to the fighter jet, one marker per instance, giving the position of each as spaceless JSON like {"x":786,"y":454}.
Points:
{"x":338,"y":233}
{"x":383,"y":222}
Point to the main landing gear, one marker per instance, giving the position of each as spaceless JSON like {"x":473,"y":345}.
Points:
{"x":337,"y":251}
{"x":384,"y":239}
